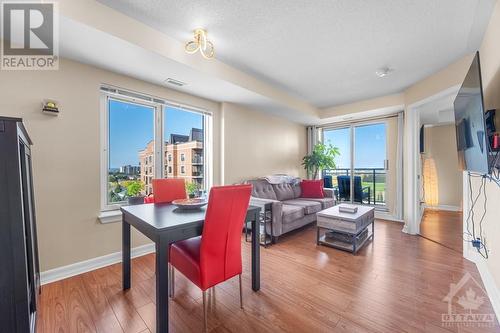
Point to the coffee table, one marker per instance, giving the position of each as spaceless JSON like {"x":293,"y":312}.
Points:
{"x":345,"y":231}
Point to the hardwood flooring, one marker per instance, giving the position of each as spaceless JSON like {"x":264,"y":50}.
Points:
{"x":443,"y":227}
{"x":395,"y":284}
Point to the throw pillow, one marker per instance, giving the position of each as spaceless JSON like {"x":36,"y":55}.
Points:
{"x":312,"y":189}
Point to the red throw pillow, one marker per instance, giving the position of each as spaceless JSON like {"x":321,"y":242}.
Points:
{"x":312,"y":189}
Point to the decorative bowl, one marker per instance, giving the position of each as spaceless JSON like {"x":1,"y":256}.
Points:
{"x":195,"y":203}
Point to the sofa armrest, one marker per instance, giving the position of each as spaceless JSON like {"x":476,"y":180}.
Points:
{"x":276,"y":208}
{"x":329,"y":192}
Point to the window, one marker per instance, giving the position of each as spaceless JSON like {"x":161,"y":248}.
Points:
{"x":361,"y":167}
{"x":185,"y":133}
{"x":146,"y":135}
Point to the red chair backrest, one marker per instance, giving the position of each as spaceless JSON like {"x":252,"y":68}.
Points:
{"x":220,"y":254}
{"x":169,"y":189}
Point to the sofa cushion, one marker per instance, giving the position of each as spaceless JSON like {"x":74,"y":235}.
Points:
{"x":310,"y":207}
{"x":325,"y":202}
{"x":312,"y":188}
{"x":283,"y":191}
{"x":297,"y":191}
{"x":291,"y":213}
{"x":262,"y":189}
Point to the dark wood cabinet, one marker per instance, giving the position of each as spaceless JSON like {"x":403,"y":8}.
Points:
{"x":19,"y":271}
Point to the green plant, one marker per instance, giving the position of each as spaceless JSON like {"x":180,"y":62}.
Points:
{"x":191,"y":188}
{"x":322,"y":157}
{"x":134,"y":188}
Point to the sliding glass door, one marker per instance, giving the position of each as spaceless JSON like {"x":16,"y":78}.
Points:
{"x":362,"y":164}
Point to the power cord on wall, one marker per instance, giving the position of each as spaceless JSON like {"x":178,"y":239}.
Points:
{"x":478,"y":240}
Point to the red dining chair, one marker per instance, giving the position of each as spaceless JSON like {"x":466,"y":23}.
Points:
{"x":215,"y":256}
{"x":168,"y":189}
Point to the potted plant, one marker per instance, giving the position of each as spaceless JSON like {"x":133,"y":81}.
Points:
{"x":322,"y":158}
{"x":135,"y":192}
{"x":191,"y":189}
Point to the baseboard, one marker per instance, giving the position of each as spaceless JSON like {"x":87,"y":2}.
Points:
{"x":445,"y":207}
{"x":387,"y":216}
{"x":488,"y":281}
{"x":64,"y":272}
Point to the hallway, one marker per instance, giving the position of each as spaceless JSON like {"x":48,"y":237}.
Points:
{"x":443,"y":227}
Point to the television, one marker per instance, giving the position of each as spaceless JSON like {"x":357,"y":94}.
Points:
{"x":472,"y":137}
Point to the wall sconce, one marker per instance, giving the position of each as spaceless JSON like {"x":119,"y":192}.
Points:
{"x":50,"y":107}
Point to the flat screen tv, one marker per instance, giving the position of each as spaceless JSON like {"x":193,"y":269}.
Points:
{"x":472,"y":143}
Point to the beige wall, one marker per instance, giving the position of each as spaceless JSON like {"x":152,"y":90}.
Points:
{"x":490,"y":70}
{"x":440,"y":145}
{"x":66,"y":155}
{"x":257,"y":144}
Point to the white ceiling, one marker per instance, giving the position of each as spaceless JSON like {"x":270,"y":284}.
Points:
{"x":86,"y":44}
{"x":323,"y":51}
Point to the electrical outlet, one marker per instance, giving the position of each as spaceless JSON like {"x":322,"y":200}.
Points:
{"x":476,"y":243}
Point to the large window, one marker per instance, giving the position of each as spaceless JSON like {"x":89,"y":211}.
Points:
{"x":146,"y":139}
{"x":362,"y":164}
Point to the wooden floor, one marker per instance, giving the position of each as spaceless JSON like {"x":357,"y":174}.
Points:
{"x":444,"y":227}
{"x":395,"y":284}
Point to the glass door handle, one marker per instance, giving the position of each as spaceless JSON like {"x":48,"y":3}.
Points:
{"x":386,"y":164}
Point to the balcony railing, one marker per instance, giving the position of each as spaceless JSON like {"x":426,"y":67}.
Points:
{"x":375,"y":179}
{"x":197,"y":160}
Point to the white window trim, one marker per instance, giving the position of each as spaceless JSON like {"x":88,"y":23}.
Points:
{"x":111,"y":213}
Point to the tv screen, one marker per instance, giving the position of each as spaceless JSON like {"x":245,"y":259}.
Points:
{"x":472,"y":141}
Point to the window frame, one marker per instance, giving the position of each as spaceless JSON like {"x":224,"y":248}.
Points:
{"x":159,"y":107}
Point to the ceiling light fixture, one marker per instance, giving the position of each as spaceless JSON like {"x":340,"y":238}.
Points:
{"x":384,"y":71}
{"x":201,"y":43}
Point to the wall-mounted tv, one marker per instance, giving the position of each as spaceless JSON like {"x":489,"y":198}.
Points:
{"x":472,"y":143}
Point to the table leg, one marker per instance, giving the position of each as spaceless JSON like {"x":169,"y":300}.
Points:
{"x":162,"y":287}
{"x":255,"y":253}
{"x":125,"y":254}
{"x":373,"y":230}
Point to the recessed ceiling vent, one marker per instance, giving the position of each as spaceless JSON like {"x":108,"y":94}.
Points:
{"x":175,"y":82}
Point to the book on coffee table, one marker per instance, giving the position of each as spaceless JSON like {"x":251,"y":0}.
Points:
{"x":346,"y":208}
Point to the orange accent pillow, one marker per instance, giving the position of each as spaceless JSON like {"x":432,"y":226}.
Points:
{"x":312,"y":189}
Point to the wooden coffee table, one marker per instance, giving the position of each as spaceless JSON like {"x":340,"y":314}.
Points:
{"x":345,"y":231}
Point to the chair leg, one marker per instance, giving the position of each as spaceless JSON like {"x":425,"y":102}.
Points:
{"x":205,"y":325}
{"x":241,"y":293}
{"x":172,"y":281}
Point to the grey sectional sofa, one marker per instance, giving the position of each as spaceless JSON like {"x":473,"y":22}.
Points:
{"x":289,"y":211}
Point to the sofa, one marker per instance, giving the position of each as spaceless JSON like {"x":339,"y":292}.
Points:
{"x":288,"y":210}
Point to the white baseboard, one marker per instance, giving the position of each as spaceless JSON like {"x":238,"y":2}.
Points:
{"x":488,"y":280}
{"x":387,"y":216}
{"x":445,"y":207}
{"x":64,"y":272}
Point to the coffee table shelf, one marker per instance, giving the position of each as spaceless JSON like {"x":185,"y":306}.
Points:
{"x":348,"y":227}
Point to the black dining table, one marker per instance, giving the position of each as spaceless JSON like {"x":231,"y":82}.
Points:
{"x":165,"y":224}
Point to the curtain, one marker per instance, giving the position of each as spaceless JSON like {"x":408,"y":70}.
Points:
{"x":312,"y":138}
{"x":399,"y":168}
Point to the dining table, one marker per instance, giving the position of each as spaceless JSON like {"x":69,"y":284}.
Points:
{"x":165,"y":224}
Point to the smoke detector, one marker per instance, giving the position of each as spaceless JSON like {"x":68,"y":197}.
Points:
{"x":175,"y":82}
{"x":384,"y":71}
